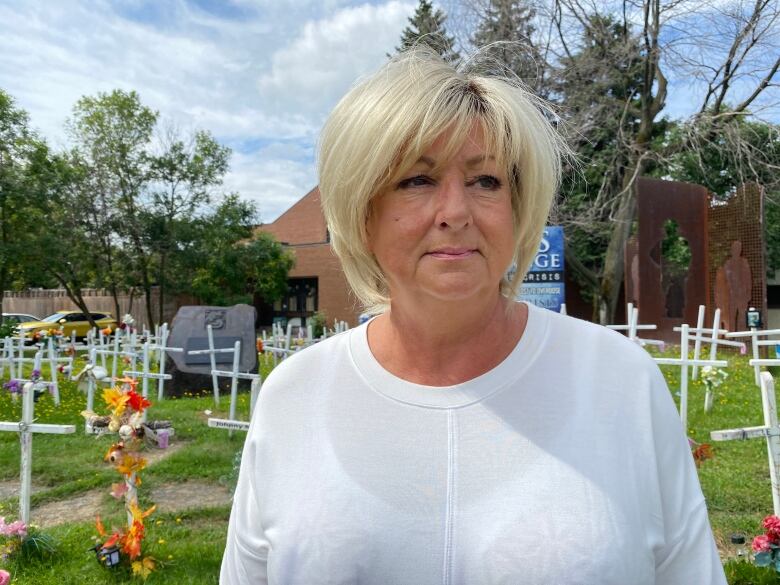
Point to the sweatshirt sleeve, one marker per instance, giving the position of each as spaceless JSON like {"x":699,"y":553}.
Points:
{"x":246,"y":552}
{"x":685,"y":553}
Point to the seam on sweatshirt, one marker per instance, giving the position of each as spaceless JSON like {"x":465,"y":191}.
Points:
{"x":450,"y":514}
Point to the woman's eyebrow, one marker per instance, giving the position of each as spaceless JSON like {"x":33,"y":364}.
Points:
{"x":472,"y":162}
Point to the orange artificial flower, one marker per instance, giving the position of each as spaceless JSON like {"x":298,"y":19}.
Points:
{"x":106,"y":331}
{"x":130,"y":464}
{"x":132,"y":382}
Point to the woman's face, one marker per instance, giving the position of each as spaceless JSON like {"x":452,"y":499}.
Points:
{"x":448,"y":233}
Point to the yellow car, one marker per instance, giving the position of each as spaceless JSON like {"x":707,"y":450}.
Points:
{"x":68,"y":322}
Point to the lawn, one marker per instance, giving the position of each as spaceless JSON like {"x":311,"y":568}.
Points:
{"x":188,"y":544}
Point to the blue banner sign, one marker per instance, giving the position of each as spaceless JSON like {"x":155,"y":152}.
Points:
{"x":543,"y":285}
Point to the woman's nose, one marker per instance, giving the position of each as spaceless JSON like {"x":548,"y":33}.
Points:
{"x":453,"y":204}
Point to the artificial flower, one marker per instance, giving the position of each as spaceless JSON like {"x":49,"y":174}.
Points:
{"x":118,"y":490}
{"x":761,"y":544}
{"x":144,"y":567}
{"x":137,"y":402}
{"x":130,"y":464}
{"x":106,"y":331}
{"x":115,"y":399}
{"x":772,"y":527}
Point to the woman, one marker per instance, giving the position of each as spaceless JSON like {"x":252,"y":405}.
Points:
{"x":459,"y":437}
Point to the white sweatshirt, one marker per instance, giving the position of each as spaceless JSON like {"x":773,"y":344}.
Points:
{"x":565,"y":464}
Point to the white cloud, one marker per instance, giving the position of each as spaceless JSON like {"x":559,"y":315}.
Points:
{"x":313,"y":71}
{"x":273,"y":182}
{"x":250,"y":71}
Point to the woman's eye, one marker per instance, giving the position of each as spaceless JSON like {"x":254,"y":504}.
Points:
{"x":488,"y":182}
{"x":416,"y":181}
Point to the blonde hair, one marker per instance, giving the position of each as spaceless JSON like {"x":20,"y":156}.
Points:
{"x":382,"y":126}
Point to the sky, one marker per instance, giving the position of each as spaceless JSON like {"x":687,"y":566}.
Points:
{"x":260,"y":75}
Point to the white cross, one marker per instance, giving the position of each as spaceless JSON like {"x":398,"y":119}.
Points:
{"x":754,"y":335}
{"x":684,"y":362}
{"x":633,"y":327}
{"x":145,"y":374}
{"x":770,"y":430}
{"x":26,"y":427}
{"x":212,"y":351}
{"x":7,"y":358}
{"x":162,"y":348}
{"x":714,"y":338}
{"x":93,"y":374}
{"x":235,"y":375}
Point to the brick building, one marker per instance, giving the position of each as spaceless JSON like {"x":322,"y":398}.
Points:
{"x":316,"y":282}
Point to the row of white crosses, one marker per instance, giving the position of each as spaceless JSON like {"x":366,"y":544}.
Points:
{"x":770,"y":430}
{"x":26,"y":427}
{"x":235,"y":375}
{"x":757,"y":343}
{"x":684,"y":362}
{"x":13,"y":356}
{"x":713,"y":337}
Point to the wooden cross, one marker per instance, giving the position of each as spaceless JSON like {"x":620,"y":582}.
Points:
{"x":714,"y":338}
{"x":7,"y":358}
{"x":162,"y":348}
{"x":145,"y":374}
{"x":235,"y":375}
{"x":632,"y":327}
{"x":94,"y":374}
{"x":26,"y":427}
{"x":684,"y":362}
{"x":212,"y":351}
{"x":754,"y":335}
{"x":769,"y":429}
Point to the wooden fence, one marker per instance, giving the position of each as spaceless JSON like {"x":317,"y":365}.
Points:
{"x":43,"y":302}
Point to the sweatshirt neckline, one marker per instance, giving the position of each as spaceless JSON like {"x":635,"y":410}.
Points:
{"x":525,"y":352}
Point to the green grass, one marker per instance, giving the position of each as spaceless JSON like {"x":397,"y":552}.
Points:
{"x":735,"y":481}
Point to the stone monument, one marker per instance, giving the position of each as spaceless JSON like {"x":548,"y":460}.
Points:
{"x":192,"y":373}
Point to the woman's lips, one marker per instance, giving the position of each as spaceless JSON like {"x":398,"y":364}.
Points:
{"x":452,"y":253}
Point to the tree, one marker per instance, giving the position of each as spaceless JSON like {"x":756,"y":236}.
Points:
{"x":182,"y":174}
{"x":507,"y":27}
{"x":23,"y":189}
{"x":233,"y":264}
{"x":63,"y":250}
{"x":111,"y":133}
{"x":427,"y":27}
{"x":728,"y":46}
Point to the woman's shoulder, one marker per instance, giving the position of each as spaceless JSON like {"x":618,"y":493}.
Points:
{"x":591,"y":341}
{"x":307,"y":369}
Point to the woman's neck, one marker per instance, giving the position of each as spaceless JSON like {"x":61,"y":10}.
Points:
{"x":446,"y":344}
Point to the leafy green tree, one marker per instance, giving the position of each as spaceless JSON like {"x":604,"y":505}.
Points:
{"x":507,"y":26}
{"x":111,"y":133}
{"x":723,"y":153}
{"x":183,"y":175}
{"x":426,"y":26}
{"x":233,"y":264}
{"x":23,"y":190}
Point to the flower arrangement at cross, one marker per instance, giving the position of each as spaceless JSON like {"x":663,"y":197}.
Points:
{"x":34,"y":384}
{"x":767,"y":546}
{"x":127,"y":323}
{"x":18,"y":539}
{"x":712,"y":377}
{"x":126,"y":411}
